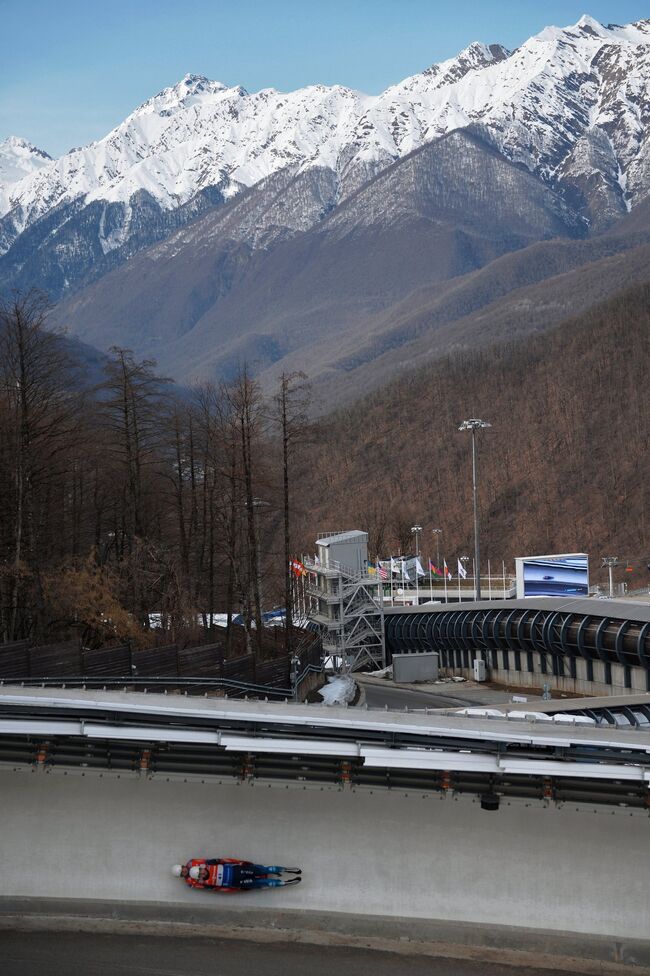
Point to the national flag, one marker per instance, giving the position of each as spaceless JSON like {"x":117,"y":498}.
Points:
{"x":447,"y":570}
{"x":434,"y":569}
{"x":383,"y":572}
{"x":297,"y":568}
{"x":398,"y":567}
{"x":462,"y":572}
{"x":372,"y":569}
{"x":413,"y":568}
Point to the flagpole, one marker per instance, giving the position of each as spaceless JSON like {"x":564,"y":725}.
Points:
{"x":489,"y":582}
{"x":504,"y":579}
{"x":444,"y":569}
{"x":474,"y":566}
{"x":459,"y":600}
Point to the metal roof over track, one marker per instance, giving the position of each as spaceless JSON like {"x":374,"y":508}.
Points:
{"x":618,"y":609}
{"x":308,"y":720}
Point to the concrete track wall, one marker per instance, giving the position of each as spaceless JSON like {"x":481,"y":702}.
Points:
{"x":100,"y":836}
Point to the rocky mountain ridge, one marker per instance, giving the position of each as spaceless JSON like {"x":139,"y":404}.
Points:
{"x":249,"y":281}
{"x":571,"y":105}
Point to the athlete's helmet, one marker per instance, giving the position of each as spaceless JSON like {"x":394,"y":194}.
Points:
{"x":177,"y":870}
{"x":194,"y":873}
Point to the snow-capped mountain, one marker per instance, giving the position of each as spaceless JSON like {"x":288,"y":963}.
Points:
{"x":19,"y":159}
{"x":571,"y":105}
{"x":220,"y":292}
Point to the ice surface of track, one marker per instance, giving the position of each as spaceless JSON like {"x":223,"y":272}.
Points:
{"x":92,"y":835}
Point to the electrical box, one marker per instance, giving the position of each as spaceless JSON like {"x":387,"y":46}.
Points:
{"x":480,"y":671}
{"x":410,"y":668}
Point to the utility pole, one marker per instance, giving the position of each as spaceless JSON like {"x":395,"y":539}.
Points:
{"x":475,"y":424}
{"x":610,"y":562}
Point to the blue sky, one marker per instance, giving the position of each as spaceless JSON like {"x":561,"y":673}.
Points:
{"x":72,"y":69}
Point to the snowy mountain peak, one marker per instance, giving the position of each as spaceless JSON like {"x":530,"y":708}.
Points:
{"x":475,"y":56}
{"x":190,"y":80}
{"x":197,"y":85}
{"x":18,"y":159}
{"x":642,"y":27}
{"x":22,"y":148}
{"x":189,"y":90}
{"x":590,"y":25}
{"x":481,"y":54}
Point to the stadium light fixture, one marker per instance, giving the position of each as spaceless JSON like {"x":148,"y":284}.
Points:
{"x":473,"y":425}
{"x":610,"y":562}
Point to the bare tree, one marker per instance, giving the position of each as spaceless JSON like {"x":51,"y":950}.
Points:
{"x":133,"y":415}
{"x":222,"y":505}
{"x":246,"y":401}
{"x":291,"y":402}
{"x":41,"y":414}
{"x":134,"y":406}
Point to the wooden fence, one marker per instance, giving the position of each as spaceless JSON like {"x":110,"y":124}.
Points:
{"x":21,"y":661}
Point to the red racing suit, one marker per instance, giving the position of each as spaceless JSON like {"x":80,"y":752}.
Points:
{"x":225,"y":874}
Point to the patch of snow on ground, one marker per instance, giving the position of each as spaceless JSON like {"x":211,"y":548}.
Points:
{"x":339,"y":690}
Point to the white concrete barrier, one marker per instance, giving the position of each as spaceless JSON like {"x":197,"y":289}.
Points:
{"x":98,"y":836}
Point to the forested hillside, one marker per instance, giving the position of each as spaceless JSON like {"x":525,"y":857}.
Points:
{"x":122,"y":497}
{"x":565,"y":466}
{"x":125,"y":497}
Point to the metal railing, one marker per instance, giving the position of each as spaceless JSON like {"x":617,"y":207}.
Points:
{"x":334,"y":566}
{"x":129,"y":683}
{"x":187,"y":686}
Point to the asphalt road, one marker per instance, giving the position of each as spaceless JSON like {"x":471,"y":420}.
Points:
{"x":380,"y":695}
{"x":53,"y":954}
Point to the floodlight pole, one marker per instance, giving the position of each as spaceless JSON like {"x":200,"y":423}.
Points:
{"x":610,"y":562}
{"x":437,"y":533}
{"x":474,"y":424}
